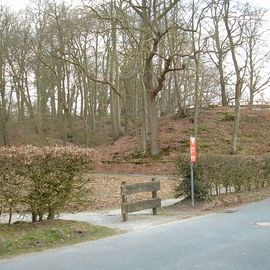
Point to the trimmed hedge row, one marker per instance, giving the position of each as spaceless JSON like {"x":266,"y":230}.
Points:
{"x":43,"y":180}
{"x":216,"y":174}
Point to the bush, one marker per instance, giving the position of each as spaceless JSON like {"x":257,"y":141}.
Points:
{"x":43,"y":180}
{"x":11,"y":181}
{"x":223,"y":173}
{"x":228,"y":116}
{"x":265,"y":180}
{"x":184,"y":188}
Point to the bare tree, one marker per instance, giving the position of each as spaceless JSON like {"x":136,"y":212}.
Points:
{"x":220,"y":45}
{"x":256,"y":54}
{"x":235,"y":27}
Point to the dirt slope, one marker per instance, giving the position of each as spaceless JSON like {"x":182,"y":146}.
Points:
{"x":215,"y":129}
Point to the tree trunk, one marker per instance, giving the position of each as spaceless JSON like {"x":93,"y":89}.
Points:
{"x":151,"y":108}
{"x":251,"y":76}
{"x":197,"y":98}
{"x":236,"y":119}
{"x":238,"y":83}
{"x":3,"y":107}
{"x":220,"y":56}
{"x":153,"y":124}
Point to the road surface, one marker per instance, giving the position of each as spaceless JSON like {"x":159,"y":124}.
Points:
{"x":238,"y":239}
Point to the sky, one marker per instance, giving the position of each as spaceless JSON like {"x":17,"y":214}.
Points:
{"x":20,"y":4}
{"x":263,"y":3}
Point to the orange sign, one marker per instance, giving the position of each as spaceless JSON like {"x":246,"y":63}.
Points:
{"x":192,"y":149}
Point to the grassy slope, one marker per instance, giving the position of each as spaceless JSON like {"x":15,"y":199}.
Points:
{"x":22,"y":238}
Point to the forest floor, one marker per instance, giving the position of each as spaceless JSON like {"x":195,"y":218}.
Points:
{"x":105,"y":189}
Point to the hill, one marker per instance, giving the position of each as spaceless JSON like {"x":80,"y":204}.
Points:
{"x":215,"y":131}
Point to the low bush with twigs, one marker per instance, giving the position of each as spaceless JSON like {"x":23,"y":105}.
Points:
{"x":44,"y":180}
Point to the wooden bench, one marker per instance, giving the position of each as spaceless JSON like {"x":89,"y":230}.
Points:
{"x":153,"y":203}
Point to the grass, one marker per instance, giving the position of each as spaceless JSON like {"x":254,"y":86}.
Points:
{"x":23,"y":238}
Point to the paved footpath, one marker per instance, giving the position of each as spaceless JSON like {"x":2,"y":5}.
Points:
{"x":112,"y":218}
{"x":233,"y":240}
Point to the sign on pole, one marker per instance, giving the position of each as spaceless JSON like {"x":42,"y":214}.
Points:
{"x":192,"y":162}
{"x":192,"y":149}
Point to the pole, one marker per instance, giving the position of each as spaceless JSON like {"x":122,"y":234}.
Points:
{"x":192,"y":162}
{"x":124,"y":200}
{"x":154,"y":196}
{"x":192,"y":184}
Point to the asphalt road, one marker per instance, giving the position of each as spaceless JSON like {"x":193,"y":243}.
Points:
{"x":234,"y":240}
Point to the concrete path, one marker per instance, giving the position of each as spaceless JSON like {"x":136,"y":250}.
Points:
{"x":235,"y":240}
{"x":113,"y":218}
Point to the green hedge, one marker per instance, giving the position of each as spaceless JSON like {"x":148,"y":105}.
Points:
{"x":216,"y":174}
{"x":43,"y":180}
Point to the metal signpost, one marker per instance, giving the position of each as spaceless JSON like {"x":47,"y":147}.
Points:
{"x":192,"y":162}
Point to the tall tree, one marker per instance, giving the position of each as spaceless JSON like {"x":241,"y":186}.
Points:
{"x":232,"y":25}
{"x":151,"y":15}
{"x":4,"y":112}
{"x":220,"y":46}
{"x":256,"y":55}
